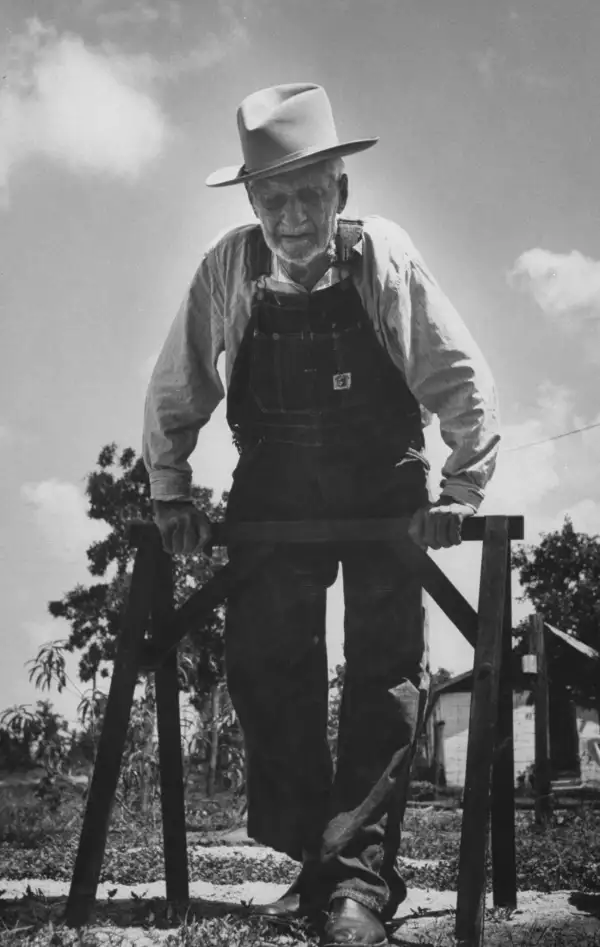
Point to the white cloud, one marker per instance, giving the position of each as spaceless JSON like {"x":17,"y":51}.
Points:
{"x":560,"y":283}
{"x":584,"y":514}
{"x":5,"y":434}
{"x":517,"y":487}
{"x":523,"y":484}
{"x":82,"y":107}
{"x":59,"y":510}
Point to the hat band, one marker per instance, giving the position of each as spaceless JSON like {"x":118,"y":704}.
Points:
{"x":291,"y":156}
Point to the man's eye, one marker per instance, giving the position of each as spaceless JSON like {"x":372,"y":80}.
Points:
{"x":309,"y":195}
{"x":274,"y":201}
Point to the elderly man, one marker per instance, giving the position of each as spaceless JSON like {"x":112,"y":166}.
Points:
{"x":338,"y":342}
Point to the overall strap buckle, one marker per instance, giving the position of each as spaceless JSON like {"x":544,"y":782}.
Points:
{"x":349,"y":234}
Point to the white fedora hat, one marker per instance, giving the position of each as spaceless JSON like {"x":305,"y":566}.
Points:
{"x":282,"y":128}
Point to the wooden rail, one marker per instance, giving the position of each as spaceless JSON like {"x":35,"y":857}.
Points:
{"x":489,"y":788}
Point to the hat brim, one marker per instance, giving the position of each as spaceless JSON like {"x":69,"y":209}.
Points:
{"x":236,"y":175}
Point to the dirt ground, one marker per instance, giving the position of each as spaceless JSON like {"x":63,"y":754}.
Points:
{"x":427,"y":917}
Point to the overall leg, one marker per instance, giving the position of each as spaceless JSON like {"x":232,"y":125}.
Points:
{"x":277,"y":677}
{"x":276,"y":657}
{"x":385,"y":688}
{"x":385,"y":677}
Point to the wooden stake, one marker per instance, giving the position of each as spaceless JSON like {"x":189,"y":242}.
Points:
{"x":504,"y":861}
{"x":482,"y":729}
{"x":543,"y":782}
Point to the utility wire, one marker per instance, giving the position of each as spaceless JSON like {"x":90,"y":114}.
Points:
{"x":546,"y":440}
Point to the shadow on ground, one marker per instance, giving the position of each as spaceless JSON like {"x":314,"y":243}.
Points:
{"x":567,"y":919}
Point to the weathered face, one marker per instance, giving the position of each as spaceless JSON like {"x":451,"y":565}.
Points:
{"x":297,"y":212}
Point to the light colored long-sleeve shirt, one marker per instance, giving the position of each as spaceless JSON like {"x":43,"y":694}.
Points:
{"x":413,"y":320}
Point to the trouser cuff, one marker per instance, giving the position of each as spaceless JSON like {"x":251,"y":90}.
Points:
{"x":370,"y":901}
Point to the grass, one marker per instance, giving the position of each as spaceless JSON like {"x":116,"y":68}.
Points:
{"x":37,"y":842}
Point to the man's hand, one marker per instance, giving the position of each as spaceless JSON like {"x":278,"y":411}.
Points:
{"x":183,"y":527}
{"x":439,"y":526}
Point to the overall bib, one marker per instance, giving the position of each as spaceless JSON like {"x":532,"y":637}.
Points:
{"x":327,"y":429}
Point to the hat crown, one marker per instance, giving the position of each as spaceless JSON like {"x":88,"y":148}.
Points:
{"x":280,"y":122}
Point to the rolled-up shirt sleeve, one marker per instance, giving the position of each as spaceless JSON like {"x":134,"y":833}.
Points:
{"x":449,"y":376}
{"x":185,"y":387}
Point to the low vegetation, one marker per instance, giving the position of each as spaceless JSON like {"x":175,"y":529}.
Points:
{"x":39,"y":835}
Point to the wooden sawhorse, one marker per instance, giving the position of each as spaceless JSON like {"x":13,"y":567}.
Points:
{"x":489,"y":782}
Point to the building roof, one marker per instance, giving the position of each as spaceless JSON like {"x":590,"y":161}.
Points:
{"x":574,"y":642}
{"x":463,"y":683}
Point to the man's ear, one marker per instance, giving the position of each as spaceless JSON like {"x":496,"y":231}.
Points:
{"x":343,"y":189}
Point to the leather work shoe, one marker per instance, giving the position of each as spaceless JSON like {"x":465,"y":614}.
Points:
{"x":302,"y":900}
{"x":287,"y":906}
{"x":350,"y":924}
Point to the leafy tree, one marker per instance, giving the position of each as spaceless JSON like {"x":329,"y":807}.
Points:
{"x":118,"y":492}
{"x":336,"y":687}
{"x":39,"y":737}
{"x":561,"y":578}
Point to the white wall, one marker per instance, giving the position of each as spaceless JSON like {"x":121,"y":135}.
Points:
{"x":454,"y":709}
{"x":589,"y":745}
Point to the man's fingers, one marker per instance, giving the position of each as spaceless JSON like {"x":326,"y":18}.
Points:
{"x":167,"y":535}
{"x":434,"y":531}
{"x":436,"y":528}
{"x":455,"y":530}
{"x":186,"y":534}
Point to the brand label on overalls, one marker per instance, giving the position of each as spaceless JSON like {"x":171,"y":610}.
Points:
{"x":342,"y":382}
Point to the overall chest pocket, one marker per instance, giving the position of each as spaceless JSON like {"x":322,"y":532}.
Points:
{"x":280,"y":373}
{"x":300,"y":373}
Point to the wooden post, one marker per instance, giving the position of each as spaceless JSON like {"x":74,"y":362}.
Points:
{"x":504,"y":859}
{"x":213,"y":760}
{"x":482,"y":728}
{"x":438,"y":751}
{"x":92,"y":843}
{"x":169,"y":736}
{"x":543,"y":784}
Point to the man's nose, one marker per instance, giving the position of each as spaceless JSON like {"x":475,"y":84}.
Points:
{"x":294,"y":212}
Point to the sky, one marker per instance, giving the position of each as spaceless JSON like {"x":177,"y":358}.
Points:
{"x":113,"y":113}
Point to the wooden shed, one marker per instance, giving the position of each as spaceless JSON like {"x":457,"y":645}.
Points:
{"x":574,"y":732}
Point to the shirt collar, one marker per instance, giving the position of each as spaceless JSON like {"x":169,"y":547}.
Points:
{"x":278,"y":275}
{"x":335,"y":273}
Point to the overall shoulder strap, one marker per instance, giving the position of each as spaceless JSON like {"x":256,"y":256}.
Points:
{"x":348,"y":235}
{"x":258,"y":255}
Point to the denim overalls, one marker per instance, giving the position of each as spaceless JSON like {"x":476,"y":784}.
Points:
{"x":327,"y":429}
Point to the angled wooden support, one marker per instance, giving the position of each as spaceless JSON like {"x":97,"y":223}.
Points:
{"x":482,"y":733}
{"x":92,"y":842}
